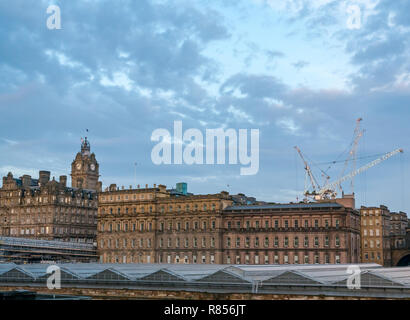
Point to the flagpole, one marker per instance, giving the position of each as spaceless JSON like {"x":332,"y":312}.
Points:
{"x":135,"y":172}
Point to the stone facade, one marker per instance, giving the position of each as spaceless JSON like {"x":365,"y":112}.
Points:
{"x":148,"y":225}
{"x":398,"y":227}
{"x":375,"y":233}
{"x":155,"y":225}
{"x":48,"y":209}
{"x":291,"y":233}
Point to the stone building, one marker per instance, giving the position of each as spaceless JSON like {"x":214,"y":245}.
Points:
{"x":147,"y":225}
{"x":48,"y":209}
{"x":375,"y":234}
{"x":311,"y":233}
{"x":156,"y":225}
{"x":398,"y":226}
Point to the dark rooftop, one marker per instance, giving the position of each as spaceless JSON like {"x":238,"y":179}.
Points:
{"x":286,"y":206}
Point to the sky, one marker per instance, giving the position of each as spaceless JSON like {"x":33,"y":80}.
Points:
{"x":301,"y":72}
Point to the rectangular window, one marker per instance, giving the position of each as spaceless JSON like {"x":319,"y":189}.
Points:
{"x":337,"y":241}
{"x":337,"y":259}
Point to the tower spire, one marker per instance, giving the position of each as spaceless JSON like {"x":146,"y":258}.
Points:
{"x":85,"y":146}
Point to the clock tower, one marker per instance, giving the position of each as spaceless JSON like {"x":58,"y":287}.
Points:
{"x":84,"y":168}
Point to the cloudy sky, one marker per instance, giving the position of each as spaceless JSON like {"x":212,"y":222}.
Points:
{"x":300,"y":71}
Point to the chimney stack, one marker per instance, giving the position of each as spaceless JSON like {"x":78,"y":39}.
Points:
{"x":26,"y":180}
{"x":44,"y":177}
{"x":63,"y":181}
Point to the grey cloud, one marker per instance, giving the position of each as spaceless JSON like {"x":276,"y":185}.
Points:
{"x":273,"y":54}
{"x":257,"y":86}
{"x":300,"y":64}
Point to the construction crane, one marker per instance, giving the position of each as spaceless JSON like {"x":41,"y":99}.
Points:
{"x":328,"y":191}
{"x":358,"y":133}
{"x":309,"y":174}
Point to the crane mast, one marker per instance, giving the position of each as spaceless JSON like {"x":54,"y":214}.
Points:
{"x":358,"y":133}
{"x":309,"y":174}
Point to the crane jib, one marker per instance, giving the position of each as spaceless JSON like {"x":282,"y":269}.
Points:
{"x":333,"y":185}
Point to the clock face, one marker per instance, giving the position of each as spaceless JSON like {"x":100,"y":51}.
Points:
{"x":78,"y":166}
{"x":92,"y":167}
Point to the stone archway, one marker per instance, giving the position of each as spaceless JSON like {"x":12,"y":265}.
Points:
{"x":404,"y":261}
{"x":399,"y":257}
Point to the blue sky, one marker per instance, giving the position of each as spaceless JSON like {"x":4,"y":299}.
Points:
{"x":293,"y":69}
